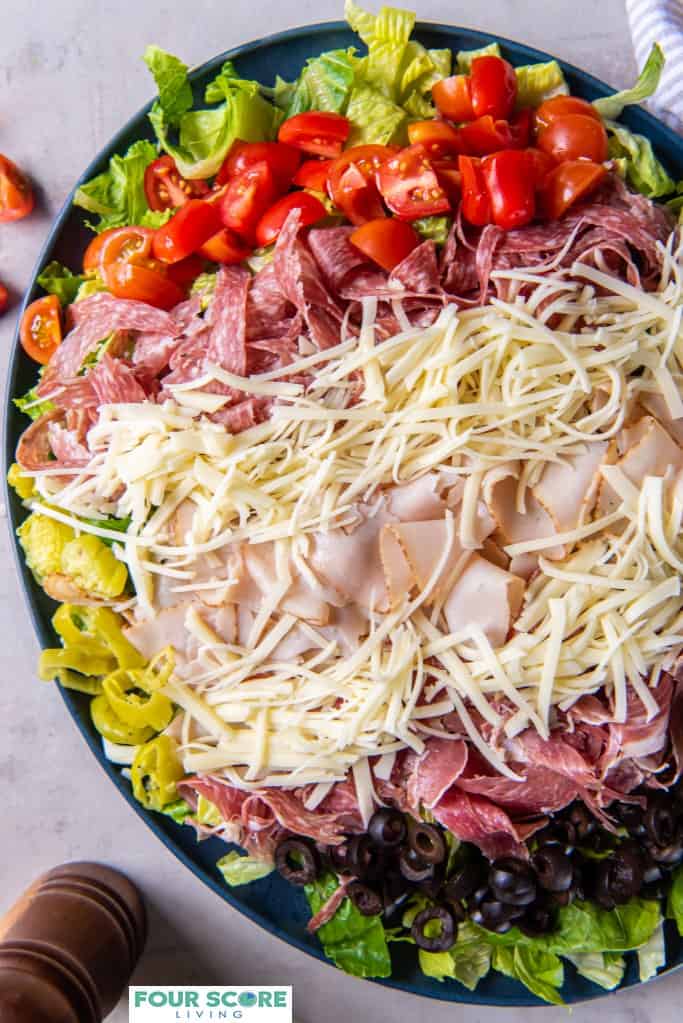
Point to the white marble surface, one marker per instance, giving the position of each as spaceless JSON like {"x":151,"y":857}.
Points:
{"x":70,"y":74}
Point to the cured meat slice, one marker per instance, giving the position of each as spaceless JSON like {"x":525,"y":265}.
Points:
{"x":335,"y":255}
{"x":476,"y":819}
{"x":226,"y":344}
{"x":418,"y":272}
{"x":113,"y":382}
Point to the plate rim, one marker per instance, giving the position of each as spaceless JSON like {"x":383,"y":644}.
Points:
{"x":643,"y":120}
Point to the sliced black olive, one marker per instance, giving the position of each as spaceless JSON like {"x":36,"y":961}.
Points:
{"x":512,"y":881}
{"x":477,"y":897}
{"x":413,"y":867}
{"x":387,"y":827}
{"x":652,"y":872}
{"x":540,"y":918}
{"x":433,"y":885}
{"x":583,"y":821}
{"x":434,"y":919}
{"x":297,"y":860}
{"x":619,"y":877}
{"x":554,"y":870}
{"x":427,"y":841}
{"x":561,"y":832}
{"x":339,"y":857}
{"x":465,"y":880}
{"x":661,"y":819}
{"x":364,"y":899}
{"x":395,"y":891}
{"x":631,"y":816}
{"x":496,"y":916}
{"x":668,"y":855}
{"x":364,"y":858}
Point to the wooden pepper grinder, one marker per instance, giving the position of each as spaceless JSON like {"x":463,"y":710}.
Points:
{"x":69,"y":946}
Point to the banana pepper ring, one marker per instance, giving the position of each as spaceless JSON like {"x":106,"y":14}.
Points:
{"x":125,"y":691}
{"x":111,"y":727}
{"x":155,"y":772}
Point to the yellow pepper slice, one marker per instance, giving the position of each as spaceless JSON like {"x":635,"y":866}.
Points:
{"x":76,"y":658}
{"x":137,"y":709}
{"x":23,"y":486}
{"x":111,"y":727}
{"x":93,"y":566}
{"x":159,"y":670}
{"x":80,"y":683}
{"x":64,"y":622}
{"x":105,"y":625}
{"x":155,"y":773}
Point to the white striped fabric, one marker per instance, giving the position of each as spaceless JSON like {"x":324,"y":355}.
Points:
{"x":661,"y":21}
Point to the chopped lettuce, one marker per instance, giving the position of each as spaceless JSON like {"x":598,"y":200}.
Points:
{"x":464,"y":58}
{"x":386,"y":36}
{"x":648,"y":80}
{"x":60,"y":281}
{"x":674,"y":908}
{"x":207,"y":813}
{"x":31,"y":405}
{"x":538,"y":82}
{"x":467,"y":961}
{"x":374,"y":118}
{"x":117,"y":196}
{"x":90,"y":286}
{"x":178,"y":811}
{"x":606,"y":969}
{"x":355,"y":943}
{"x":198,"y":140}
{"x":636,"y":161}
{"x":237,"y":869}
{"x":435,"y":228}
{"x":540,"y":971}
{"x":652,"y":955}
{"x":324,"y":84}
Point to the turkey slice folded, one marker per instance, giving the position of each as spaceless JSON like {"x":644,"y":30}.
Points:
{"x":485,"y":596}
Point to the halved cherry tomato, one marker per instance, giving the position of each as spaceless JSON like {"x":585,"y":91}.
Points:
{"x":318,"y":132}
{"x":166,"y":188}
{"x":520,"y":127}
{"x":16,"y":194}
{"x":437,"y":137}
{"x":186,"y":271}
{"x":40,"y":332}
{"x":133,"y":244}
{"x":449,"y":178}
{"x":357,"y":196}
{"x":476,"y":205}
{"x":271,"y":223}
{"x":493,"y":85}
{"x":485,"y":135}
{"x":313,"y":174}
{"x":225,"y":247}
{"x":568,"y":182}
{"x":453,"y":98}
{"x":559,"y":106}
{"x":4,"y":299}
{"x":247,"y":198}
{"x":186,"y":231}
{"x":129,"y":280}
{"x":281,"y":159}
{"x":574,"y":137}
{"x":385,"y":241}
{"x":409,"y":185}
{"x":511,"y":188}
{"x":540,"y":165}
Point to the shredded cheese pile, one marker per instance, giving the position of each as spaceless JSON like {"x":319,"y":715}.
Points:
{"x":537,"y":380}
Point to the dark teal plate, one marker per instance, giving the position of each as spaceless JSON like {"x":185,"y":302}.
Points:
{"x":273,"y":903}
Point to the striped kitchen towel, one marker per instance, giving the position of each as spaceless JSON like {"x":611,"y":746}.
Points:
{"x":661,"y":21}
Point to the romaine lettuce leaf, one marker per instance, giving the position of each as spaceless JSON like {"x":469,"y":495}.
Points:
{"x":178,"y":811}
{"x":606,"y":969}
{"x":435,"y":228}
{"x":31,"y":405}
{"x":374,"y":118}
{"x":355,"y":943}
{"x":60,"y":281}
{"x":674,"y":908}
{"x":117,"y":196}
{"x":207,"y":813}
{"x":637,"y":162}
{"x":467,"y":961}
{"x":386,"y":36}
{"x":652,"y":955}
{"x":540,"y":971}
{"x":648,"y":80}
{"x":538,"y":82}
{"x":324,"y":84}
{"x":237,"y":869}
{"x":464,"y":58}
{"x":198,"y":140}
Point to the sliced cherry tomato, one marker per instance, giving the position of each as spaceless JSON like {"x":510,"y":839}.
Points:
{"x":476,"y":205}
{"x":493,"y":85}
{"x":40,"y":332}
{"x":409,"y":185}
{"x":568,"y":182}
{"x":520,"y":126}
{"x":271,"y":223}
{"x":540,"y":165}
{"x":186,"y":231}
{"x":485,"y":135}
{"x":438,"y":138}
{"x":449,"y":178}
{"x":386,"y":241}
{"x":574,"y":137}
{"x":357,"y":196}
{"x":4,"y":299}
{"x":453,"y":98}
{"x":511,"y":188}
{"x":166,"y":188}
{"x":282,"y":160}
{"x":318,"y":132}
{"x":560,"y":106}
{"x":16,"y":194}
{"x":313,"y":174}
{"x":129,"y":280}
{"x":247,"y":198}
{"x":186,"y":271}
{"x":132,"y":244}
{"x":225,"y":247}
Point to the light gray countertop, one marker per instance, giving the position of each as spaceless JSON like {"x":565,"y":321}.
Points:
{"x":70,"y":75}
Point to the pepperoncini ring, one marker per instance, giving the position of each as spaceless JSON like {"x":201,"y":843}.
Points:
{"x":111,"y":727}
{"x":155,"y":772}
{"x":159,"y":670}
{"x":124,"y":689}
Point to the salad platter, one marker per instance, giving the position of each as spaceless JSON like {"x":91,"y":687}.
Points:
{"x":347,"y":499}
